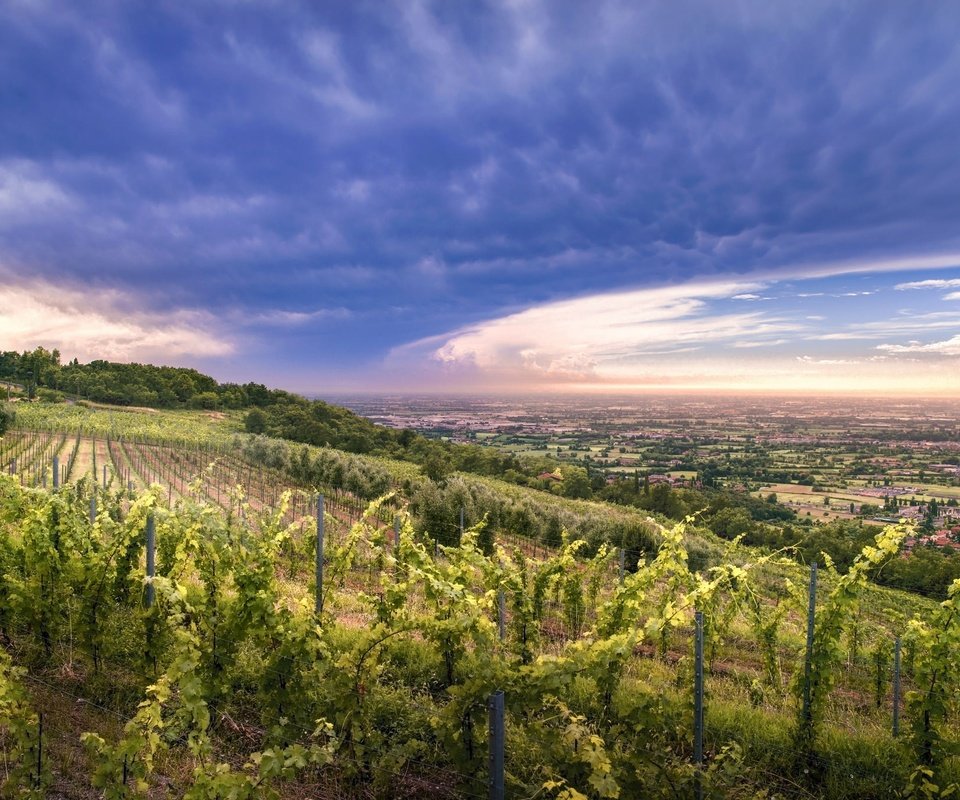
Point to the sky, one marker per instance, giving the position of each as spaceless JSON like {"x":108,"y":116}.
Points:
{"x":487,"y":196}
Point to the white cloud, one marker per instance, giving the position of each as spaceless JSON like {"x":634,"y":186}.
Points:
{"x":768,"y":343}
{"x":430,"y":272}
{"x":906,"y":323}
{"x":356,"y":190}
{"x":949,"y":347}
{"x":90,"y":323}
{"x":936,"y":283}
{"x":869,"y":265}
{"x":824,"y":361}
{"x":212,"y":206}
{"x":348,"y":275}
{"x":25,"y":193}
{"x":134,"y":82}
{"x":683,"y":337}
{"x":603,"y":333}
{"x":952,"y":296}
{"x":333,"y":87}
{"x":281,"y":317}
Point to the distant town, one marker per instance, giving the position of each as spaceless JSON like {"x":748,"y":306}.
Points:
{"x":841,"y":458}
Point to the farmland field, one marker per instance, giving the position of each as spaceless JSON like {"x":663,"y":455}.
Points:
{"x":842,"y":449}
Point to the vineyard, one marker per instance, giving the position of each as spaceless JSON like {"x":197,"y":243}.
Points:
{"x":45,"y":459}
{"x":183,"y":616}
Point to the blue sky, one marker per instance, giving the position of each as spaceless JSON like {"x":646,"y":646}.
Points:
{"x":523,"y":195}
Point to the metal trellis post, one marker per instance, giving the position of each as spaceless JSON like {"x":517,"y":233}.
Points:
{"x":495,"y":706}
{"x":896,"y":687}
{"x":808,"y":659}
{"x":151,"y":558}
{"x":319,"y":596}
{"x":698,"y":700}
{"x":502,"y":614}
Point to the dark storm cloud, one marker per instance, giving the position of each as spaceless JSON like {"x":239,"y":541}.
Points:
{"x":370,"y":174}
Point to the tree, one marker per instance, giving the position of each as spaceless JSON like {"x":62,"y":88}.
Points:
{"x":553,"y":533}
{"x":255,"y":421}
{"x":576,"y":483}
{"x":183,"y":387}
{"x":437,"y":467}
{"x":729,"y":523}
{"x":6,"y":418}
{"x":207,"y":400}
{"x":929,"y":523}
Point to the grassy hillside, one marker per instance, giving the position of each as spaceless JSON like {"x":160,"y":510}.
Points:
{"x":230,"y":682}
{"x":261,"y":410}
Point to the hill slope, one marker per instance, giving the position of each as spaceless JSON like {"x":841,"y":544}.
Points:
{"x":597,"y":672}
